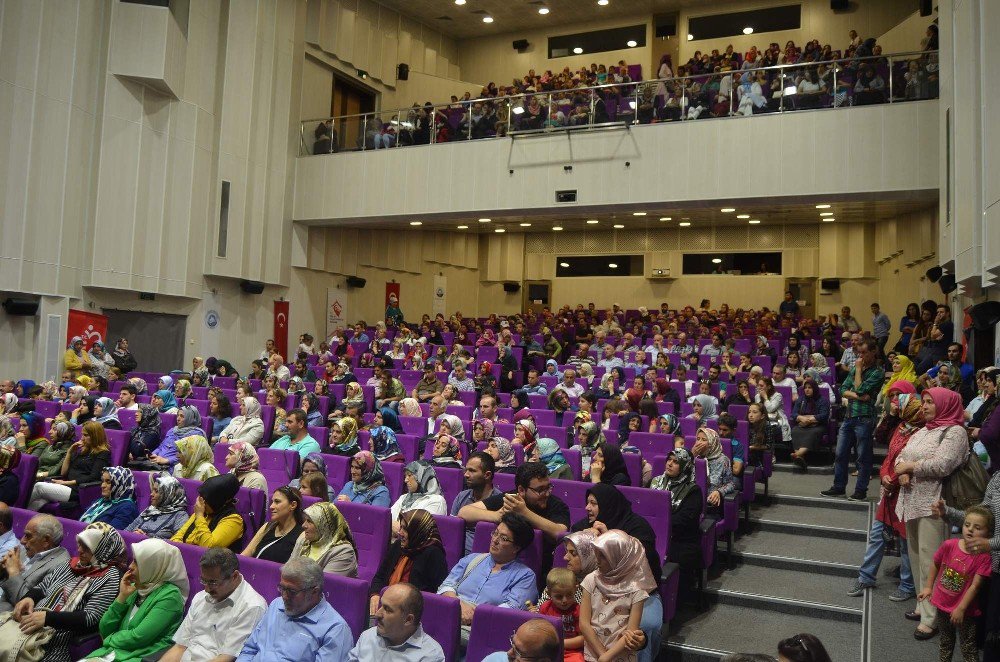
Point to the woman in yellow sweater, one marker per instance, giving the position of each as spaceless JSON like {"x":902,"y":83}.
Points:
{"x":214,"y":522}
{"x":76,"y":361}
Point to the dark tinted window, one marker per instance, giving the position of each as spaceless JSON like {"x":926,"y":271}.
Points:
{"x":771,"y":19}
{"x":741,"y":263}
{"x":599,"y":265}
{"x":598,"y":41}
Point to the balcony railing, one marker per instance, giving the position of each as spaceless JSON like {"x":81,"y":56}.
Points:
{"x":784,"y":88}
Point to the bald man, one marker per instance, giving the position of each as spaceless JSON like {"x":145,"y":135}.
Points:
{"x":535,"y":640}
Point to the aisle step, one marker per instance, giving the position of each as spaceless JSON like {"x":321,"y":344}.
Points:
{"x":787,"y":583}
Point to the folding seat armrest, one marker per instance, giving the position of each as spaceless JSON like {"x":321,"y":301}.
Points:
{"x":707,"y":524}
{"x":668,"y":569}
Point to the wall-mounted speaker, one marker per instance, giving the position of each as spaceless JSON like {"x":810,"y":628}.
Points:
{"x":520,"y":45}
{"x":985,"y":315}
{"x":831,"y":284}
{"x":20,"y":306}
{"x":252,"y":286}
{"x":354,"y":281}
{"x":402,"y":71}
{"x":934,"y":274}
{"x":948,"y":284}
{"x":510,"y":288}
{"x":840,"y":5}
{"x":926,"y":7}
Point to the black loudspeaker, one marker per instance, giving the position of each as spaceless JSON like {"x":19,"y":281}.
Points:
{"x":510,"y":288}
{"x":20,"y":306}
{"x":985,"y":315}
{"x":926,"y":7}
{"x":252,"y":286}
{"x":354,"y":281}
{"x":948,"y":284}
{"x":840,"y":5}
{"x":829,"y":284}
{"x":402,"y":71}
{"x":520,"y":45}
{"x":934,"y":274}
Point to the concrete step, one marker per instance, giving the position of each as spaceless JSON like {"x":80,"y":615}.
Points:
{"x":802,"y":510}
{"x":817,"y":530}
{"x":800,"y":545}
{"x":789,"y":583}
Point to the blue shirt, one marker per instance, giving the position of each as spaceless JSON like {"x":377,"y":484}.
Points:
{"x":881,"y":325}
{"x":304,"y":446}
{"x":9,"y":541}
{"x":511,"y":586}
{"x":463,"y":499}
{"x":320,"y":634}
{"x":377,"y":497}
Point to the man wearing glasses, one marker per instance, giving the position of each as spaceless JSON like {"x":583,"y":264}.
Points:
{"x":535,"y":641}
{"x":222,"y":616}
{"x":301,"y":624}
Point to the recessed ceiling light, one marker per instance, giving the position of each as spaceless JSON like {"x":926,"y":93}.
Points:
{"x":415,"y":223}
{"x":631,"y":43}
{"x":487,"y":19}
{"x":612,"y":265}
{"x":499,"y":230}
{"x":638,"y":213}
{"x":748,"y":30}
{"x":754,"y":222}
{"x":593,"y":221}
{"x":525,"y":225}
{"x":564,"y":264}
{"x":577,"y":50}
{"x":556,"y":228}
{"x":690,"y":36}
{"x":463,"y":227}
{"x":728,"y":210}
{"x":822,"y":206}
{"x":743,"y":216}
{"x":829,"y":219}
{"x":619,"y":227}
{"x":484,"y":220}
{"x":826,"y":213}
{"x":684,"y":225}
{"x":543,"y":10}
{"x":665,"y":218}
{"x":603,"y":3}
{"x":459,"y":2}
{"x":716,"y":260}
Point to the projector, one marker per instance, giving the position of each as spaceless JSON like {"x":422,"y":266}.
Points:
{"x":660,"y":273}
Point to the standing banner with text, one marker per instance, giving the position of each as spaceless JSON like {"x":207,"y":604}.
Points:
{"x":336,"y":310}
{"x":281,"y":328}
{"x":89,"y":326}
{"x":440,"y":295}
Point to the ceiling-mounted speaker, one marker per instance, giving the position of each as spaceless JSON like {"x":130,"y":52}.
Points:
{"x":985,"y":315}
{"x":926,"y":7}
{"x":948,"y":284}
{"x":840,"y":5}
{"x":22,"y":307}
{"x":934,"y":274}
{"x":510,"y":288}
{"x":354,"y":281}
{"x":520,"y":45}
{"x":402,"y":71}
{"x":252,"y":286}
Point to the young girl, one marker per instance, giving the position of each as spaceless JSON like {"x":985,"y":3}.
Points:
{"x":963,"y":563}
{"x":562,"y":587}
{"x":613,"y":597}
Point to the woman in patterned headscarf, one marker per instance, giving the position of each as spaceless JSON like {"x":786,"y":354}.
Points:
{"x":117,"y":503}
{"x":502,"y":452}
{"x":367,"y":484}
{"x":382,"y":437}
{"x":326,"y":538}
{"x":242,"y":460}
{"x":167,"y":509}
{"x":194,"y":459}
{"x":422,"y":491}
{"x":145,"y":436}
{"x":344,"y":437}
{"x":247,"y":427}
{"x":416,"y":556}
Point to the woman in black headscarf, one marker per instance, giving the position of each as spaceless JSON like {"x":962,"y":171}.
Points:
{"x":607,"y":466}
{"x":685,"y":519}
{"x":214,"y":522}
{"x":145,"y":436}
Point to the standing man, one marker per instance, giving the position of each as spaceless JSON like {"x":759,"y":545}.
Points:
{"x":789,"y":307}
{"x":880,"y":329}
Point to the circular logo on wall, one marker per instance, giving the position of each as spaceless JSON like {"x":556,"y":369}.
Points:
{"x":211,"y":319}
{"x":439,"y":292}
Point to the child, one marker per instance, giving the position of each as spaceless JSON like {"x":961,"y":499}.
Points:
{"x":561,"y":584}
{"x":953,"y":591}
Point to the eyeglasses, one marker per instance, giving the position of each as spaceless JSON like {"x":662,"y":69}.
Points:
{"x":211,"y":583}
{"x":542,"y":491}
{"x":518,"y":655}
{"x":284,"y":590}
{"x":496,"y":535}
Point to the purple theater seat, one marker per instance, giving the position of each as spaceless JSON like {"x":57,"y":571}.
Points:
{"x":709,"y":527}
{"x":575,"y":462}
{"x":224,"y":382}
{"x":408,"y":444}
{"x":452,"y":530}
{"x":220,"y":451}
{"x":394,"y":472}
{"x":530,"y":556}
{"x":542,"y":415}
{"x":278,"y":466}
{"x":414,"y":425}
{"x":338,"y":471}
{"x":320,"y":434}
{"x":504,"y":482}
{"x":349,"y":597}
{"x":47,"y":408}
{"x":739,"y":412}
{"x":25,"y":472}
{"x":118,"y":442}
{"x":651,"y":443}
{"x":539,"y":402}
{"x":372,"y":529}
{"x":493,"y":626}
{"x":451,"y":480}
{"x":633,"y":464}
{"x":445,"y":623}
{"x":574,"y":495}
{"x":554,"y":432}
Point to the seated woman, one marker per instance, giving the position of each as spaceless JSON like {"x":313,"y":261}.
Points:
{"x":182,"y":391}
{"x":518,"y":400}
{"x":313,"y":463}
{"x":243,"y":462}
{"x":704,"y":408}
{"x":450,"y":395}
{"x":117,"y":503}
{"x":762,"y":436}
{"x":167,"y":509}
{"x":275,"y":540}
{"x":310,"y":405}
{"x":315,"y":485}
{"x":247,"y":427}
{"x":221,"y":412}
{"x":84,"y":462}
{"x":810,"y":414}
{"x":741,"y":396}
{"x":721,"y":481}
{"x":10,"y":483}
{"x":607,"y":465}
{"x":194,"y":459}
{"x":106,"y":413}
{"x":354,"y":396}
{"x":326,"y":538}
{"x":367,"y":484}
{"x":422,"y":491}
{"x":382,"y":436}
{"x":72,"y":600}
{"x":164,"y":401}
{"x":141,"y":622}
{"x":29,"y":438}
{"x":526,"y":434}
{"x":344,"y":437}
{"x":416,"y":556}
{"x":61,"y":436}
{"x":685,"y":517}
{"x":548,"y":451}
{"x":502,"y":452}
{"x":145,"y":436}
{"x":214,"y":521}
{"x":165,"y":456}
{"x":447,"y":451}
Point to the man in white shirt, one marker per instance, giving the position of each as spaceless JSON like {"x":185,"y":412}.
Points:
{"x":654,"y":350}
{"x":268,"y":350}
{"x":221,"y":617}
{"x":609,"y":360}
{"x":438,"y":406}
{"x":780,"y":378}
{"x":126,"y":398}
{"x":569,"y":384}
{"x":276,"y":366}
{"x":398,"y":635}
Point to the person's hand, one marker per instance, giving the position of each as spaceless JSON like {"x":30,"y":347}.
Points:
{"x":905,"y":467}
{"x":199,"y":507}
{"x":59,"y":481}
{"x":373,"y":605}
{"x":514,"y":503}
{"x":714,"y":498}
{"x":957,"y":616}
{"x":33,"y":622}
{"x":596,"y":469}
{"x":23,"y":608}
{"x":938,"y":508}
{"x":849,"y":395}
{"x":140,"y":532}
{"x":600,"y":527}
{"x":698,"y":448}
{"x":886,"y":481}
{"x":467,"y":611}
{"x":342,"y":497}
{"x":979,"y":546}
{"x":635,"y":640}
{"x":904,"y":480}
{"x":127,"y":586}
{"x":12,"y":563}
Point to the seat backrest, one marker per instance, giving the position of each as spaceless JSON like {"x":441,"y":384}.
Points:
{"x":530,"y":556}
{"x":338,"y":471}
{"x":118,"y":442}
{"x":25,"y":472}
{"x":415,"y":425}
{"x":262,"y":575}
{"x":651,"y":443}
{"x":443,"y":621}
{"x":278,"y":466}
{"x":701,"y":478}
{"x":654,"y":505}
{"x":503,"y":482}
{"x":394,"y":475}
{"x":492,"y":627}
{"x":575,"y":462}
{"x":451,"y":480}
{"x":349,"y":597}
{"x":142,"y":489}
{"x":47,"y":408}
{"x":371,"y":528}
{"x":452,"y":530}
{"x":633,"y":464}
{"x":542,"y":415}
{"x":220,"y":451}
{"x":574,"y":495}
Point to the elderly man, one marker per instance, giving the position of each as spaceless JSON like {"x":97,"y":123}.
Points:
{"x":569,"y":385}
{"x":582,"y":356}
{"x":438,"y":407}
{"x":42,"y":541}
{"x":398,"y":635}
{"x":301,"y":624}
{"x":276,"y":367}
{"x":535,"y":640}
{"x":222,"y":616}
{"x":609,"y":360}
{"x":459,"y":377}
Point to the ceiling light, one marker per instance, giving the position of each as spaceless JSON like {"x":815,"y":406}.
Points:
{"x":743,"y":216}
{"x":487,"y":19}
{"x":593,"y":221}
{"x":684,"y":225}
{"x":556,"y":228}
{"x":463,"y":227}
{"x":690,"y":36}
{"x":755,"y":222}
{"x":525,"y":225}
{"x":459,"y":2}
{"x":577,"y":50}
{"x":716,"y":260}
{"x":603,"y":3}
{"x":638,"y":213}
{"x":631,"y":43}
{"x":728,"y":210}
{"x":543,"y":10}
{"x":822,"y":206}
{"x":565,"y":265}
{"x":415,"y":223}
{"x":484,"y":220}
{"x":612,"y":265}
{"x":619,"y":227}
{"x":748,"y":30}
{"x":499,"y":230}
{"x":665,"y":218}
{"x":829,"y":219}
{"x":826,"y":213}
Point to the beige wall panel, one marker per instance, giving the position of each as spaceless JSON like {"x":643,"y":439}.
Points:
{"x":330,"y":32}
{"x":346,"y":46}
{"x":21,"y":32}
{"x":15,"y":153}
{"x":56,"y":51}
{"x":118,"y":181}
{"x":88,"y":43}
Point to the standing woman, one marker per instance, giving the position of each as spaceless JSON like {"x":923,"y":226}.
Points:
{"x":167,"y":509}
{"x":247,"y":427}
{"x":906,"y":327}
{"x":931,"y":455}
{"x":685,"y":507}
{"x":84,"y":462}
{"x":275,"y":540}
{"x":774,"y":404}
{"x":75,"y":360}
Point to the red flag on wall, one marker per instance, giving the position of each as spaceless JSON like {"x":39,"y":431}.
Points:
{"x":89,"y":326}
{"x":281,"y":328}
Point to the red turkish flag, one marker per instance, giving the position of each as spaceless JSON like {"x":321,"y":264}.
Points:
{"x":281,"y":328}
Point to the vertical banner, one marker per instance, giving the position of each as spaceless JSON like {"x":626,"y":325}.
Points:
{"x":440,"y":295}
{"x":89,"y":326}
{"x":281,"y":329}
{"x":336,"y":310}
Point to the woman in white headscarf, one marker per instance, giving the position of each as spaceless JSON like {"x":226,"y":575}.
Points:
{"x":247,"y":427}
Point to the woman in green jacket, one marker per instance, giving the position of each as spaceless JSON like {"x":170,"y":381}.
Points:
{"x":150,"y":604}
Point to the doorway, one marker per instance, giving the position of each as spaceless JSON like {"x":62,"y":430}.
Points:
{"x":350,"y":99}
{"x":156,"y":340}
{"x":536,"y":295}
{"x":804,"y":291}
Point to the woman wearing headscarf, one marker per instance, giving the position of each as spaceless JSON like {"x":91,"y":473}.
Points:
{"x":75,"y":394}
{"x":416,"y":556}
{"x":344,"y":437}
{"x":447,"y":451}
{"x":580,"y":560}
{"x":666,"y":393}
{"x":76,"y":361}
{"x":588,"y":439}
{"x":84,"y":412}
{"x":7,"y":438}
{"x":326,"y":538}
{"x":518,"y":400}
{"x":167,"y":509}
{"x":164,"y":401}
{"x":100,"y":361}
{"x":704,"y":408}
{"x":904,"y":416}
{"x":549,"y":452}
{"x":367,"y":484}
{"x":84,"y":462}
{"x":106,"y":413}
{"x":182,"y":391}
{"x":89,"y":383}
{"x":685,"y":519}
{"x":214,"y":521}
{"x":635,"y":393}
{"x":60,"y":439}
{"x":247,"y":427}
{"x":409,"y":407}
{"x":72,"y":600}
{"x":29,"y":438}
{"x":10,"y":483}
{"x":422,"y":491}
{"x":526,"y":434}
{"x":931,"y":455}
{"x":607,"y":466}
{"x":382,"y":437}
{"x":149,"y":608}
{"x":165,"y":455}
{"x":613,"y":598}
{"x":117,"y":503}
{"x":721,"y":481}
{"x":194,"y":459}
{"x":243,"y":462}
{"x":123,"y":359}
{"x":502,"y":452}
{"x":165,"y":383}
{"x":310,"y":404}
{"x":145,"y":436}
{"x":810,"y":414}
{"x":23,"y":387}
{"x":902,"y":370}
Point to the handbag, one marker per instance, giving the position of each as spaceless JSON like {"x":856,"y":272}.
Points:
{"x":966,"y":485}
{"x":15,"y":646}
